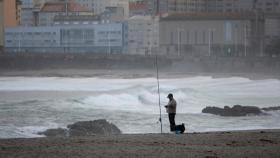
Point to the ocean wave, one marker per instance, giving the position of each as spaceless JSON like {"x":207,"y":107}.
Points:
{"x":132,"y":104}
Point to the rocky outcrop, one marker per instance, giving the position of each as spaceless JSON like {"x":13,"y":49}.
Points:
{"x":84,"y":128}
{"x":97,"y":127}
{"x":276,"y":108}
{"x":59,"y":132}
{"x":236,"y":110}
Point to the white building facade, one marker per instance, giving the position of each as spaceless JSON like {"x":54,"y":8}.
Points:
{"x":99,"y":6}
{"x":224,"y":36}
{"x":96,"y":6}
{"x":121,"y":3}
{"x":268,"y":6}
{"x":99,"y":38}
{"x":183,"y":6}
{"x":143,"y":35}
{"x":272,"y":28}
{"x":27,"y":18}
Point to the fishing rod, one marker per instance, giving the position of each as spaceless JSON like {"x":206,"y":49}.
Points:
{"x":160,"y":120}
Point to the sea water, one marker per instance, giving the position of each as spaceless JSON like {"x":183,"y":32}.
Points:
{"x":29,"y":105}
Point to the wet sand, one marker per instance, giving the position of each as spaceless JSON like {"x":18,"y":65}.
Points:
{"x":254,"y":144}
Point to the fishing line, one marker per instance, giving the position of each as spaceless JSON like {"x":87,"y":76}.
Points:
{"x":160,"y":119}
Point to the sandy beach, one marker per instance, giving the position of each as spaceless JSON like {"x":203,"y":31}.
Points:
{"x":251,"y":144}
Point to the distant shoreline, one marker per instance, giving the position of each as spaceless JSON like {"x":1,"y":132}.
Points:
{"x":135,"y":66}
{"x":129,"y":73}
{"x":230,"y":144}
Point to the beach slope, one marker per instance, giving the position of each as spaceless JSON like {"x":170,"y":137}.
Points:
{"x":262,"y":144}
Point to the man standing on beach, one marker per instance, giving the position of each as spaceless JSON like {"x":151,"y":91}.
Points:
{"x":171,"y":110}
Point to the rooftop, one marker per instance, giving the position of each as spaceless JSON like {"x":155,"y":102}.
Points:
{"x":137,"y":5}
{"x":77,"y":18}
{"x":141,"y":17}
{"x":209,"y":16}
{"x":62,"y":6}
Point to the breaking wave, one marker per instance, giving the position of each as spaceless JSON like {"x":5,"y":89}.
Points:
{"x":29,"y":105}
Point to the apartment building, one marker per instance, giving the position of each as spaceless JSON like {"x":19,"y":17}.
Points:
{"x":268,"y":6}
{"x":50,"y":10}
{"x":209,"y":34}
{"x":189,"y":6}
{"x":76,"y":20}
{"x":113,"y":14}
{"x":11,"y":13}
{"x":272,"y":28}
{"x":96,"y":6}
{"x":27,"y":17}
{"x":183,"y":6}
{"x":1,"y":25}
{"x":143,"y":35}
{"x":147,"y":7}
{"x":138,"y":8}
{"x":122,"y":4}
{"x":24,"y":38}
{"x":97,"y":38}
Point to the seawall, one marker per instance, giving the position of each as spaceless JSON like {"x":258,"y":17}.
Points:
{"x":33,"y":61}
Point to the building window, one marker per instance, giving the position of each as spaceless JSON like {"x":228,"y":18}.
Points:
{"x":171,"y":38}
{"x":188,"y":37}
{"x":212,"y":36}
{"x":204,"y":37}
{"x":195,"y":37}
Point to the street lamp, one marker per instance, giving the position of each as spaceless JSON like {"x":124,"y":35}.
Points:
{"x":153,"y":36}
{"x":245,"y":40}
{"x":20,"y":39}
{"x":235,"y":40}
{"x":109,"y":38}
{"x":210,"y":42}
{"x":179,"y":30}
{"x":108,"y":41}
{"x":19,"y":45}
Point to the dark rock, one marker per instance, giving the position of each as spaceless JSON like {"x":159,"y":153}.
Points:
{"x":271,"y":108}
{"x":211,"y":157}
{"x":236,"y":110}
{"x":213,"y":110}
{"x":59,"y":132}
{"x":97,"y":127}
{"x":267,"y":141}
{"x":84,"y":128}
{"x":226,"y":107}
